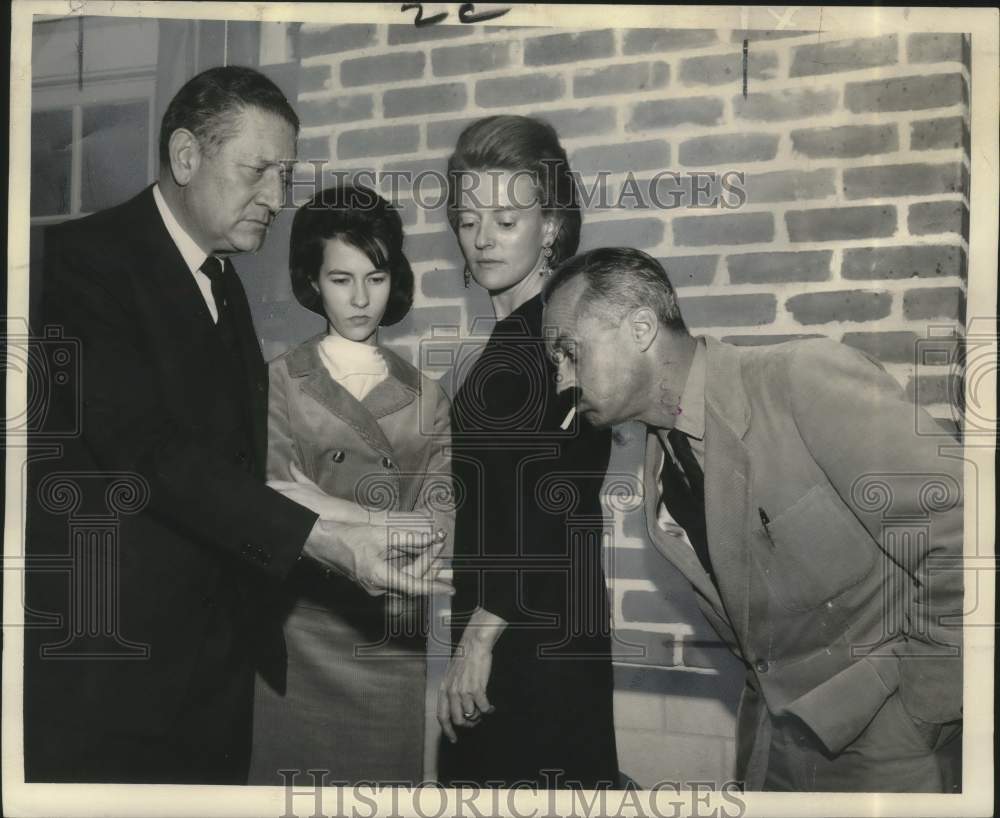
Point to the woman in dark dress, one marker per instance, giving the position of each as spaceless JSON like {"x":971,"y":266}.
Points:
{"x":527,"y":696}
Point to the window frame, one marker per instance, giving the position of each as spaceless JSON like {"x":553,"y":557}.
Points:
{"x":63,"y":94}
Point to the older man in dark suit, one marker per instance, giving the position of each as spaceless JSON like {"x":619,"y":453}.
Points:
{"x":148,"y":677}
{"x":768,"y":475}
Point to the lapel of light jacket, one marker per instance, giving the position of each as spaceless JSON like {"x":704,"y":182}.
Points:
{"x":728,"y":515}
{"x":305,"y":366}
{"x":393,"y":393}
{"x":674,"y":548}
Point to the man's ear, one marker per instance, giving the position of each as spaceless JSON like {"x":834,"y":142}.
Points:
{"x":643,"y":327}
{"x":185,"y":155}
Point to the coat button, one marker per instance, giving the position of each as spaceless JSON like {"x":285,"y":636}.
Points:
{"x":207,"y":602}
{"x":762,"y":666}
{"x":386,"y":463}
{"x":338,"y":456}
{"x":241,"y":457}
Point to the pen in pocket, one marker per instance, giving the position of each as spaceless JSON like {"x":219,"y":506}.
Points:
{"x":766,"y":522}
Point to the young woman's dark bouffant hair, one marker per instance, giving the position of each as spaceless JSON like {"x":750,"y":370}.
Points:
{"x":358,"y":217}
{"x":521,"y":143}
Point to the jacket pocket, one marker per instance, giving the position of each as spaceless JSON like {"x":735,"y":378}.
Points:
{"x":813,"y":551}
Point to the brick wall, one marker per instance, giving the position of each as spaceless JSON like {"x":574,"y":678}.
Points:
{"x":855,"y":154}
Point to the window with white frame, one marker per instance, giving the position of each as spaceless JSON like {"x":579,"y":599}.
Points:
{"x":94,"y":133}
{"x":87,"y":155}
{"x":93,"y":140}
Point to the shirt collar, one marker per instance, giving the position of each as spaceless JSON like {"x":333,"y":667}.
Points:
{"x":192,"y":254}
{"x":691,"y":420}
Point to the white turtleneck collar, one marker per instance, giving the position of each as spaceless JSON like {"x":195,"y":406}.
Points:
{"x":356,"y":366}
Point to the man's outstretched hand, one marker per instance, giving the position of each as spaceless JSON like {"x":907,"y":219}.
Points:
{"x":380,"y":558}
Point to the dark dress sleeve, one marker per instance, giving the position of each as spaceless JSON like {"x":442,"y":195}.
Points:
{"x":485,"y":456}
{"x":507,"y":442}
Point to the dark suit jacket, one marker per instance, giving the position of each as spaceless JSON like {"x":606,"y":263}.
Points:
{"x":828,"y":605}
{"x":170,"y":456}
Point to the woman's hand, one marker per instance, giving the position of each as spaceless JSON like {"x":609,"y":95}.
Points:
{"x":462,"y":700}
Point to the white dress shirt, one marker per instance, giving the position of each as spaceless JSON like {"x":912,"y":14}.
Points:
{"x":192,"y":254}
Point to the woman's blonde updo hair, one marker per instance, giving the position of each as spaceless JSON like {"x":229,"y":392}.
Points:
{"x":520,"y":143}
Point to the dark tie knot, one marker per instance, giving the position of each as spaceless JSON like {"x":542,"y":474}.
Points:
{"x":212,"y":267}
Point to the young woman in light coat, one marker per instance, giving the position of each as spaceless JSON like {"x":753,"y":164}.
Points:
{"x":371,"y":432}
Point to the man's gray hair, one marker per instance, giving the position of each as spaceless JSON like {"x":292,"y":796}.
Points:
{"x":619,"y":280}
{"x":210,"y":103}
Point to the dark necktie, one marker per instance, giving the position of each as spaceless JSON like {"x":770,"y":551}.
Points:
{"x":214,"y":268}
{"x":684,"y":494}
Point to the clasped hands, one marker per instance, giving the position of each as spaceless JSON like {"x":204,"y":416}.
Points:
{"x":364,"y":546}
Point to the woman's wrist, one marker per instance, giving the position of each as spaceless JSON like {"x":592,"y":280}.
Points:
{"x":483,"y":630}
{"x":479,"y":638}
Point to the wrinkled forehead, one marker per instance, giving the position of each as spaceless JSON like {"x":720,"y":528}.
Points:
{"x":494,"y":190}
{"x":256,"y":134}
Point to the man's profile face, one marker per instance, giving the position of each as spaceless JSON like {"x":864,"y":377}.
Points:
{"x":591,"y":355}
{"x":238,"y":186}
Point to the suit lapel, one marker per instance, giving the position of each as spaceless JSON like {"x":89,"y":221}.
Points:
{"x":194,"y":336}
{"x":304,"y":364}
{"x":727,"y":491}
{"x":673,"y":548}
{"x":250,"y":352}
{"x":164,"y":265}
{"x":728,"y":479}
{"x":176,"y":292}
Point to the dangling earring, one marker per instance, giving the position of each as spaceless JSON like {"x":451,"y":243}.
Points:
{"x":546,"y":256}
{"x":467,"y":276}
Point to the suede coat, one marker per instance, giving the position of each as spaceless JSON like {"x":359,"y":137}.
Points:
{"x":828,"y":606}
